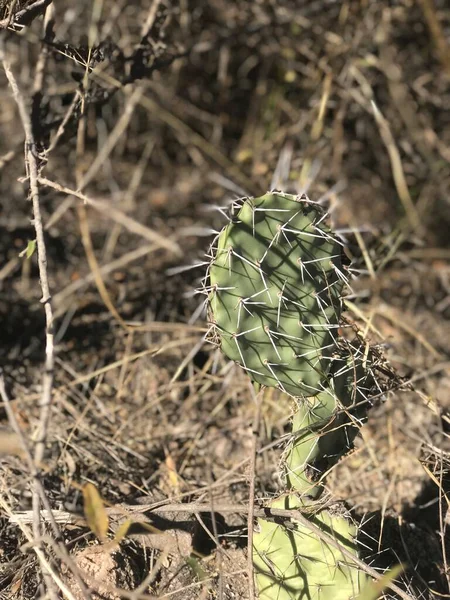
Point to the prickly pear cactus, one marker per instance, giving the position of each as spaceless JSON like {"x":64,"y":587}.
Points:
{"x":274,"y":293}
{"x":292,"y":563}
{"x":276,"y":283}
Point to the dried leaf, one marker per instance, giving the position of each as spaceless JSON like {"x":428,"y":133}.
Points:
{"x":172,"y":472}
{"x":15,"y":587}
{"x":10,"y":444}
{"x":95,"y":512}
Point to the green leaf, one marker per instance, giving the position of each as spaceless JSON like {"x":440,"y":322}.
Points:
{"x":29,"y":250}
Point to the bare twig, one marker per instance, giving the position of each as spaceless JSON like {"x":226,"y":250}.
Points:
{"x":24,"y":16}
{"x":39,"y":75}
{"x":251,"y":501}
{"x":31,"y":162}
{"x":117,"y":216}
{"x":47,"y":515}
{"x":151,"y":15}
{"x":437,"y":33}
{"x":9,"y":156}
{"x":45,"y":565}
{"x":397,"y":168}
{"x":93,"y":264}
{"x":63,"y":124}
{"x":10,"y":16}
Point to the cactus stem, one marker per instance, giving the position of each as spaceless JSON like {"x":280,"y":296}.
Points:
{"x":275,"y":273}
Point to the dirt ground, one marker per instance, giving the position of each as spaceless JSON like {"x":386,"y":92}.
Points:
{"x":145,"y":117}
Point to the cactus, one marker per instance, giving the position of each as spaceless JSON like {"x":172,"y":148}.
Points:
{"x":292,"y":563}
{"x":276,"y":282}
{"x":274,"y":291}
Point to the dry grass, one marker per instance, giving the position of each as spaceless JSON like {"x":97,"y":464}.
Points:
{"x":182,"y":107}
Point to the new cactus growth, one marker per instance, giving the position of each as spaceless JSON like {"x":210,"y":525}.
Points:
{"x":274,"y":291}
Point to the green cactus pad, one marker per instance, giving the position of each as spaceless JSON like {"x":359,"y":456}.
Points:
{"x":276,"y":282}
{"x":292,"y":563}
{"x":324,"y":426}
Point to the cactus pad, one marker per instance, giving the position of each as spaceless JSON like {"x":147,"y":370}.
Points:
{"x":274,"y":297}
{"x":291,"y":562}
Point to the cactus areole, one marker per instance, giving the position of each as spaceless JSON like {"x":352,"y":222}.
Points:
{"x":275,"y":292}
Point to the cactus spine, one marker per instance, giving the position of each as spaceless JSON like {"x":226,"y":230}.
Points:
{"x":274,"y":290}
